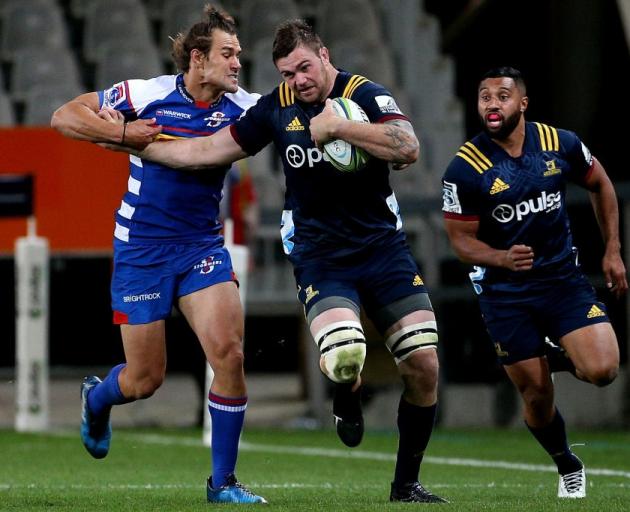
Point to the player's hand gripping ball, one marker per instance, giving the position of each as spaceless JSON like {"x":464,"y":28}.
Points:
{"x":341,"y":154}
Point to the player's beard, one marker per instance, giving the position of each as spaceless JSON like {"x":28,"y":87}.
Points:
{"x":507,"y":126}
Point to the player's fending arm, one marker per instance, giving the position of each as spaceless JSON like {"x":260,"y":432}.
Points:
{"x":79,"y":119}
{"x":214,"y":150}
{"x":469,"y":249}
{"x":604,"y":201}
{"x":393,"y":141}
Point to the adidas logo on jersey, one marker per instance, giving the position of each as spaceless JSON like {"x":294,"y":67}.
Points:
{"x":310,"y":293}
{"x":417,"y":281}
{"x":498,"y":186}
{"x":294,"y":125}
{"x":595,"y":312}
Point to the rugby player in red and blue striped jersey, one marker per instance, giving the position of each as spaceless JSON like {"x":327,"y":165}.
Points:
{"x":168,"y":249}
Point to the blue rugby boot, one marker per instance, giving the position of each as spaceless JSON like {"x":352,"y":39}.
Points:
{"x":96,"y":432}
{"x":232,"y":492}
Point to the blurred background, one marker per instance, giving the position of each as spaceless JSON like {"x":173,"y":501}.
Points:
{"x":430,"y":54}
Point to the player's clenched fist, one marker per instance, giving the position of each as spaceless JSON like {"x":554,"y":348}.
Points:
{"x":139,"y":133}
{"x":519,"y":257}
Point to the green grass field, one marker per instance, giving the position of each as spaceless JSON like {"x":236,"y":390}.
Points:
{"x":165,"y":470}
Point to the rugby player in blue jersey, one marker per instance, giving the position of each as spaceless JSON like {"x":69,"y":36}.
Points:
{"x":505,"y":212}
{"x":343,"y":233}
{"x":168,"y":249}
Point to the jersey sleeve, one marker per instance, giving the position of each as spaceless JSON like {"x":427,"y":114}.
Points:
{"x":377,"y":102}
{"x":460,"y":200}
{"x":577,"y":154}
{"x":253,"y":130}
{"x":117,"y":97}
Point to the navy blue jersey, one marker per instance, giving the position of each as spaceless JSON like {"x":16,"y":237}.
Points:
{"x":162,"y":204}
{"x":327,"y":213}
{"x":518,"y":200}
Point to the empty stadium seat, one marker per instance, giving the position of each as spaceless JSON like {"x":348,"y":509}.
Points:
{"x":7,"y":114}
{"x":33,"y":67}
{"x":118,"y":62}
{"x":32,"y":23}
{"x":264,"y":74}
{"x":42,"y":101}
{"x":356,"y":21}
{"x":178,"y":16}
{"x":259,"y":18}
{"x":108,"y":21}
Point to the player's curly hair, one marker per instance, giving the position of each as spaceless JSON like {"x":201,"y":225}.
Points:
{"x":291,"y":34}
{"x":199,"y":36}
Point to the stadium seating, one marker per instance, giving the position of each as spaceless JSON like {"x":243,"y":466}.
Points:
{"x":357,"y":21}
{"x":117,"y":61}
{"x":7,"y":114}
{"x":264,"y":76}
{"x":177,"y":16}
{"x":114,"y":20}
{"x":33,"y":67}
{"x":42,"y":101}
{"x":259,"y":18}
{"x":31,"y":23}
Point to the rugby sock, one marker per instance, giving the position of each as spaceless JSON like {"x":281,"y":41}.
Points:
{"x":553,"y":438}
{"x":107,"y":393}
{"x":415,"y":424}
{"x":227,"y":416}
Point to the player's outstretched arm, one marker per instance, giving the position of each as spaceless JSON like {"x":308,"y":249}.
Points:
{"x":79,"y":119}
{"x":394,"y":141}
{"x":604,"y":201}
{"x":469,"y":249}
{"x":219,"y":149}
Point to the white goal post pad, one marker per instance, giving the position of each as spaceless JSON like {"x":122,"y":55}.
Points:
{"x":31,"y":353}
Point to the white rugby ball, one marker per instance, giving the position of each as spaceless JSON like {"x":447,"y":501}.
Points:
{"x":341,"y":154}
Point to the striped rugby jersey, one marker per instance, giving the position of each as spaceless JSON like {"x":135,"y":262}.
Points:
{"x":519,"y":200}
{"x":162,"y":204}
{"x":327,"y":213}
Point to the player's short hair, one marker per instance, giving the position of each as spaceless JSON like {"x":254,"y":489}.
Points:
{"x":294,"y":33}
{"x":507,"y":72}
{"x":199,"y":36}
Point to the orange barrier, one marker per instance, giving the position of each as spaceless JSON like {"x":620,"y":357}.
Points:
{"x":78,"y":187}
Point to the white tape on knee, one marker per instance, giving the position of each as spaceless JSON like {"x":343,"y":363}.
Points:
{"x":411,"y":338}
{"x":343,"y":349}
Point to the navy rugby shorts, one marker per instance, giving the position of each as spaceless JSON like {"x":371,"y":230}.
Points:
{"x":518,"y":329}
{"x":148,"y":279}
{"x":375,"y":280}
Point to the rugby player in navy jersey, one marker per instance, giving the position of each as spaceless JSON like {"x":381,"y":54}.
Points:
{"x":342,"y":232}
{"x":505,"y":213}
{"x":167,"y":244}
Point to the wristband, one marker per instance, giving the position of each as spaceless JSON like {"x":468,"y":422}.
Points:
{"x":122,"y":140}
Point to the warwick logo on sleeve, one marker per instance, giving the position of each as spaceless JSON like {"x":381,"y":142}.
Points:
{"x":498,"y":186}
{"x":295,"y":125}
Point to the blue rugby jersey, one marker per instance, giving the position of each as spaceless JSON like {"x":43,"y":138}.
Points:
{"x":162,"y":204}
{"x":327,"y":213}
{"x":518,"y":200}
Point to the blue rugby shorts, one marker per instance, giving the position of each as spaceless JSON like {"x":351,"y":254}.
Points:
{"x":518,"y":328}
{"x":375,"y":280}
{"x":148,"y":279}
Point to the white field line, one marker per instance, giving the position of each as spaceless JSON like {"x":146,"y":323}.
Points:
{"x":360,"y":454}
{"x":287,"y":485}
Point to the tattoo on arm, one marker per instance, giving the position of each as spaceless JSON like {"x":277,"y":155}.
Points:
{"x":401,"y":134}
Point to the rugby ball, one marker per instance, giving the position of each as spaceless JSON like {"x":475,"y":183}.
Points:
{"x":341,"y":154}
